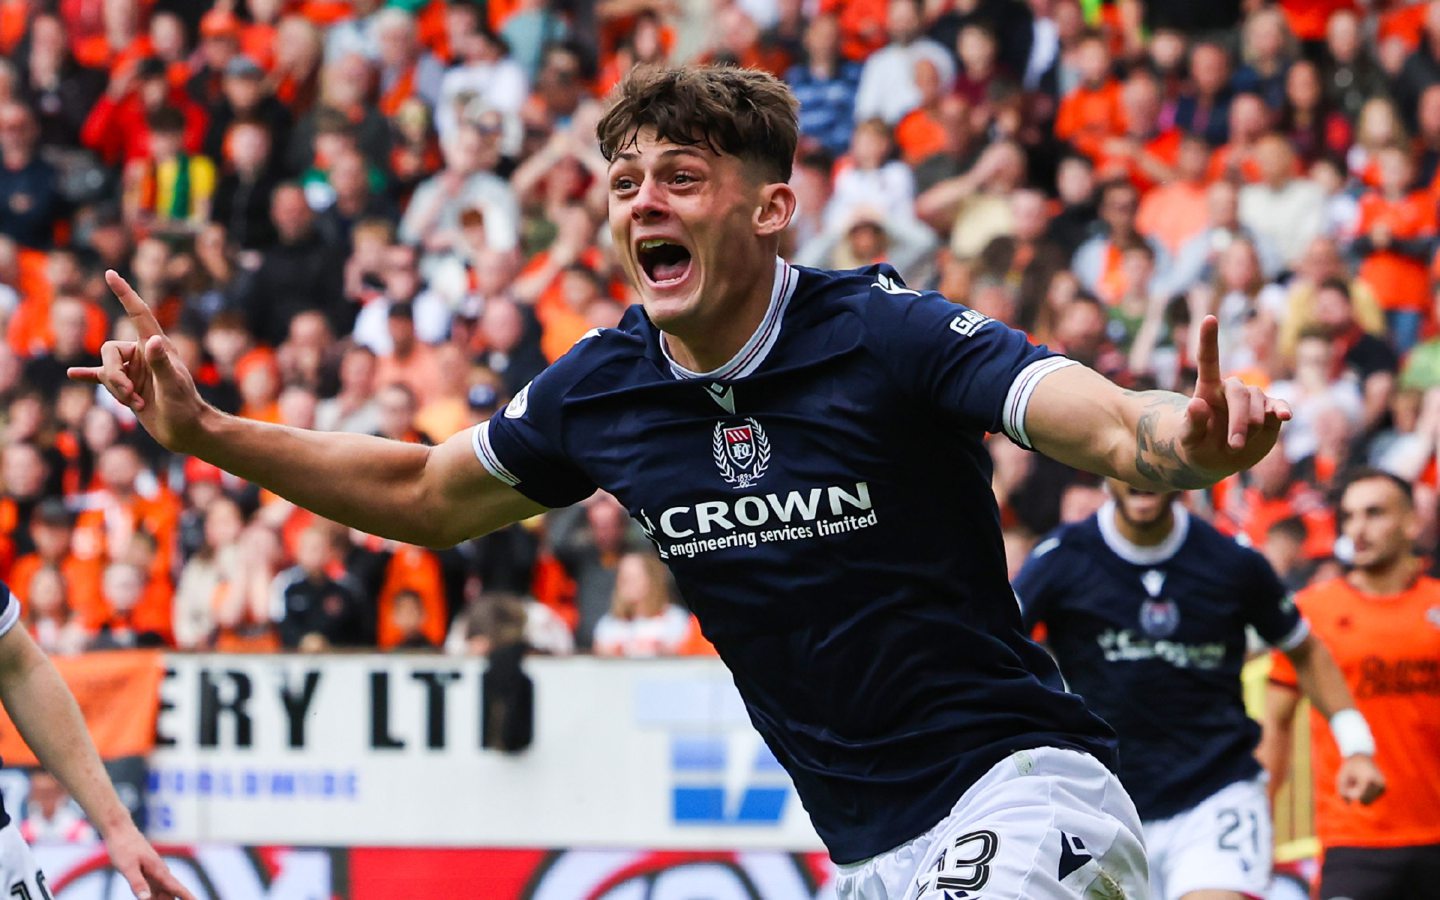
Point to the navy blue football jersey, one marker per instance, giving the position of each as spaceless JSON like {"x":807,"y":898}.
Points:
{"x":1154,"y":639}
{"x":824,"y":503}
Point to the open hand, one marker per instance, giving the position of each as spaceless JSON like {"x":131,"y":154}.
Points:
{"x":147,"y":375}
{"x":1229,"y":425}
{"x":143,"y":869}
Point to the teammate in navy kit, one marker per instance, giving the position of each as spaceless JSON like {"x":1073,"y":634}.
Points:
{"x":49,"y":720}
{"x":805,"y":448}
{"x":1146,"y":610}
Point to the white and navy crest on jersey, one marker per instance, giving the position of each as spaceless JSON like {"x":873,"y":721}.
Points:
{"x":1159,"y":618}
{"x":741,"y":452}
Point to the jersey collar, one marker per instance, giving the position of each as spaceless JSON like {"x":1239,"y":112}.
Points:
{"x":1134,"y":553}
{"x":750,"y":356}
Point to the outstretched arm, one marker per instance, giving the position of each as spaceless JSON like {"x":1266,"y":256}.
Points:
{"x":49,"y":720}
{"x":1156,"y":440}
{"x":435,"y":496}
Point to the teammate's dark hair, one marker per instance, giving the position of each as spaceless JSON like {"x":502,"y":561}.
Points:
{"x":1292,"y":527}
{"x":1370,"y":473}
{"x":1338,"y":285}
{"x":741,"y":112}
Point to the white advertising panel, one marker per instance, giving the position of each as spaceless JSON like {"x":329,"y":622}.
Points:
{"x":386,"y":751}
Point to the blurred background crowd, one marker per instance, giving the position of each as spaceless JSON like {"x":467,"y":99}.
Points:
{"x":387,"y":217}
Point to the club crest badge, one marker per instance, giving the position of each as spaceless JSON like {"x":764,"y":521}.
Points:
{"x":1159,"y":618}
{"x":742,"y":452}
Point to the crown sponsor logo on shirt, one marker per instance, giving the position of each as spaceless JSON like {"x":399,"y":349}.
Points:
{"x":742,"y":452}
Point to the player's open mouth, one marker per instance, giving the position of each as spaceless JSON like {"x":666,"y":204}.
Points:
{"x":663,"y":262}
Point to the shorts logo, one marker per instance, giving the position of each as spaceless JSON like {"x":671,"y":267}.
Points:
{"x":1159,"y":618}
{"x":742,"y":452}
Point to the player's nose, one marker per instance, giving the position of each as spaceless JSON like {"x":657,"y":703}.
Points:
{"x":648,"y":204}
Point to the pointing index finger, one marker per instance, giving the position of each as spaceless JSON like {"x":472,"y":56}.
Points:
{"x":1207,"y":355}
{"x":135,"y":308}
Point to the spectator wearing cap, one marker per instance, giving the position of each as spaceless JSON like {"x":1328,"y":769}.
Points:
{"x":483,"y":76}
{"x":354,"y":407}
{"x":219,"y":46}
{"x":59,"y":89}
{"x":51,"y":532}
{"x":244,"y":96}
{"x":29,"y":186}
{"x":887,"y":82}
{"x":826,"y":85}
{"x":301,"y":271}
{"x":118,"y":126}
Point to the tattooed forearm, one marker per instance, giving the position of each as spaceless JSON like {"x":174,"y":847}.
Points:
{"x":1157,"y":455}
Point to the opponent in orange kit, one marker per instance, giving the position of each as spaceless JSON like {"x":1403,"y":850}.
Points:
{"x":1382,"y":623}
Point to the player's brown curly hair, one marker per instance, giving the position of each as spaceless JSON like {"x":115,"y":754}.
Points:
{"x":745,"y":113}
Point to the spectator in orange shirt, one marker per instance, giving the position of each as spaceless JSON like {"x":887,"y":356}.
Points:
{"x":1145,"y":152}
{"x":1394,"y":239}
{"x":128,"y":500}
{"x":1174,"y":212}
{"x":1269,"y":492}
{"x":51,"y":531}
{"x":411,"y":361}
{"x":122,"y":588}
{"x":1380,"y":622}
{"x":1092,"y":112}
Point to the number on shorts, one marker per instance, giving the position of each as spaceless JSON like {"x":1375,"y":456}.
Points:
{"x":1231,"y":821}
{"x":976,"y":858}
{"x":23,"y":892}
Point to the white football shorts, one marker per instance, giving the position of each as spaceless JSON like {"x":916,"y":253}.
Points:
{"x":20,"y":875}
{"x":1223,"y":843}
{"x":1042,"y":824}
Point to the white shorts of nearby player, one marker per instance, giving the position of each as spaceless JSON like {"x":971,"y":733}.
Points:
{"x":1043,"y":824}
{"x":1223,"y":843}
{"x":20,"y":875}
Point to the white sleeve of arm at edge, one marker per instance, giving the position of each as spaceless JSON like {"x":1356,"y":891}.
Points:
{"x":1017,"y":400}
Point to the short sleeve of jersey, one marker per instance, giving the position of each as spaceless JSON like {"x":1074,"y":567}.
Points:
{"x":959,"y":360}
{"x":1033,"y":583}
{"x":9,"y":609}
{"x":523,"y":445}
{"x":1270,"y":607}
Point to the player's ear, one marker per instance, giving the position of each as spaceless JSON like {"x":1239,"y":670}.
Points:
{"x":775,"y":209}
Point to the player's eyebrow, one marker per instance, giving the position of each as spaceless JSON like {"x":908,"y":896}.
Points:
{"x":633,"y":156}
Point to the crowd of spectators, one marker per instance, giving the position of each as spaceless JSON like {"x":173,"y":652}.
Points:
{"x":387,"y":217}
